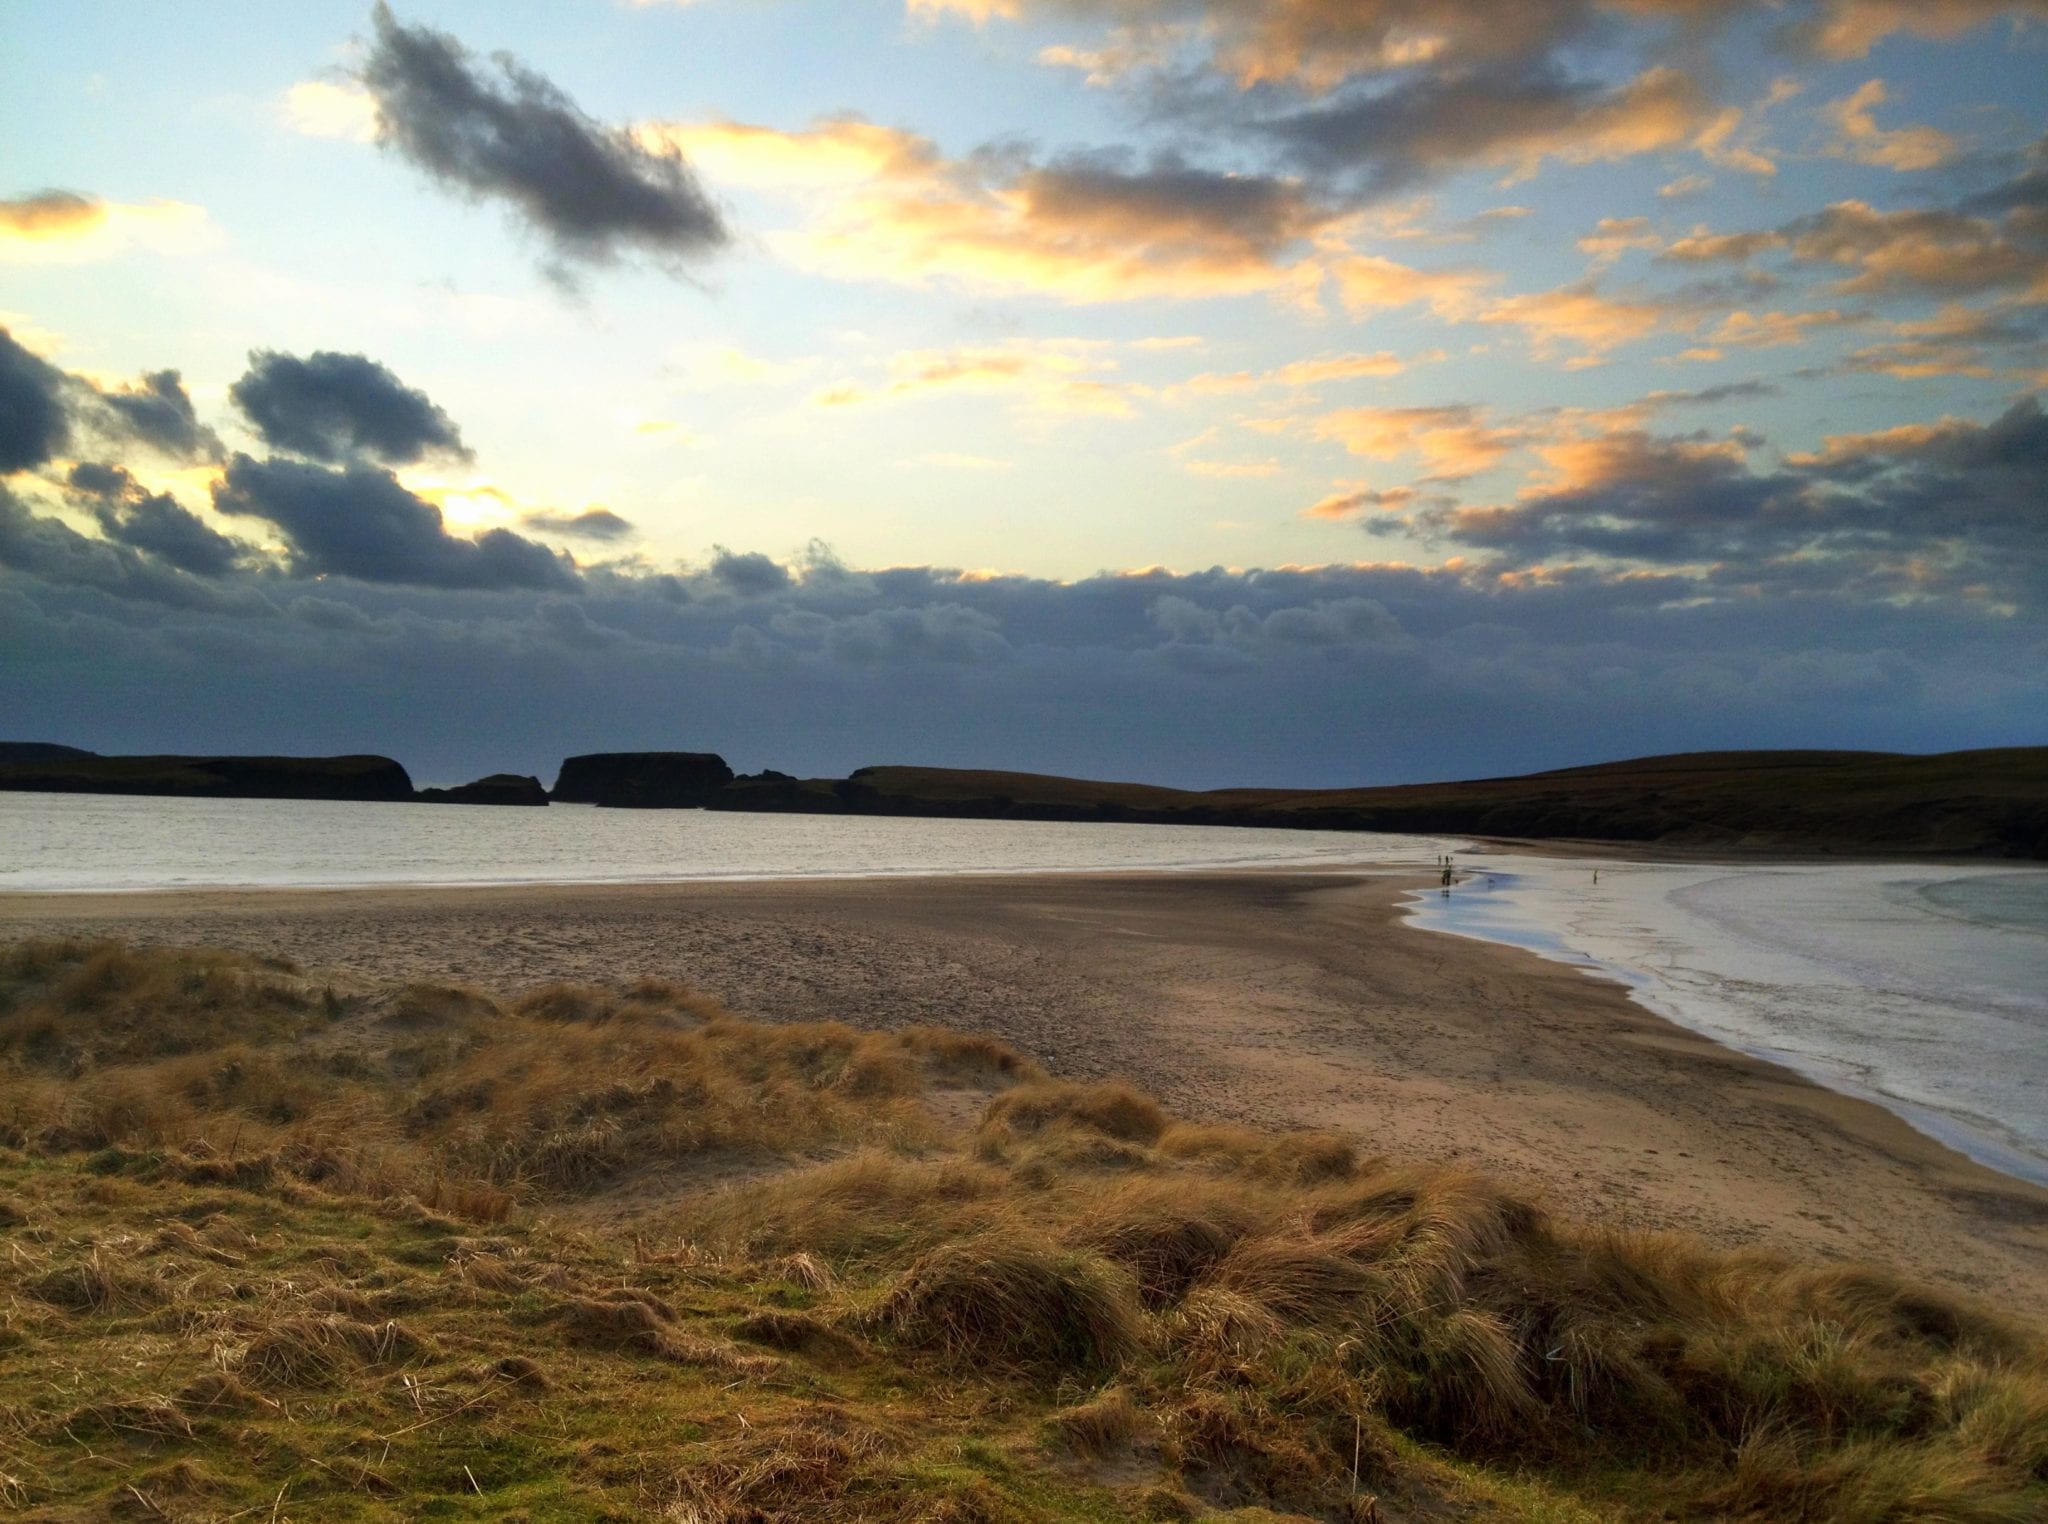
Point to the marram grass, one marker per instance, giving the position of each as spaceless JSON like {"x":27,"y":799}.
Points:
{"x":273,"y":1248}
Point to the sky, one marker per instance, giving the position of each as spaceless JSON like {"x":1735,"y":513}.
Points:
{"x":1203,"y":391}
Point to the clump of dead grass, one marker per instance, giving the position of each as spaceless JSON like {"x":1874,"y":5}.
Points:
{"x":1011,"y":1300}
{"x":1105,"y":1424}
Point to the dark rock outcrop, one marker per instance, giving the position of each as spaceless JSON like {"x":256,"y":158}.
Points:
{"x":362,"y":778}
{"x":498,"y":788}
{"x":643,"y":780}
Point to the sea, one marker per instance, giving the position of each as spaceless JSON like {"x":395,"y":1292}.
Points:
{"x":1923,"y":988}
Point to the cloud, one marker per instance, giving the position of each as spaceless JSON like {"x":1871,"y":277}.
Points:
{"x":1850,"y":28}
{"x":44,"y":409}
{"x":154,"y":522}
{"x":335,"y":407}
{"x":35,"y":545}
{"x":590,"y":524}
{"x":1050,"y":377}
{"x":1858,"y":137}
{"x":1936,"y":251}
{"x":157,"y":411}
{"x":1454,"y":442}
{"x":750,"y":575}
{"x":1083,"y":228}
{"x":34,"y":422}
{"x":1369,"y":282}
{"x":361,"y":523}
{"x":324,"y":109}
{"x":594,"y":193}
{"x":1510,"y":118}
{"x":1613,"y":237}
{"x":1778,"y":330}
{"x":1703,"y":247}
{"x":1949,"y":508}
{"x":1579,"y":316}
{"x":1374,"y":672}
{"x":1315,"y":45}
{"x":1358,"y":500}
{"x":1317,"y":371}
{"x":64,"y":227}
{"x":1957,"y":341}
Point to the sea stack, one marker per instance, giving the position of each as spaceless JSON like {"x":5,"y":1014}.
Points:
{"x":643,"y":780}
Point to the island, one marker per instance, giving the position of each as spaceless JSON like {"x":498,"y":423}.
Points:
{"x":498,"y":788}
{"x":645,"y":780}
{"x":363,"y":779}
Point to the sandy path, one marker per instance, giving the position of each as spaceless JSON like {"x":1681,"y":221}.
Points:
{"x":1276,"y":998}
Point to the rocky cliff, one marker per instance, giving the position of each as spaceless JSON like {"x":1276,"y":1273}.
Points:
{"x":644,"y":780}
{"x":377,"y":779}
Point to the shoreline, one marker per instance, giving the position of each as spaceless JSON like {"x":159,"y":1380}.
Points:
{"x":1275,"y":996}
{"x":1978,"y":1138}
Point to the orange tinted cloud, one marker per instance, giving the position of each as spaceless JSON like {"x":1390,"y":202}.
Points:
{"x":60,"y":227}
{"x":1850,"y":27}
{"x":1367,"y":282}
{"x":1301,"y":373}
{"x":1776,"y":330}
{"x":1858,"y":137}
{"x":1454,"y":442}
{"x":1354,"y":501}
{"x":1580,"y":317}
{"x":1049,"y":378}
{"x":888,"y":206}
{"x":1583,"y":465}
{"x":1906,"y":439}
{"x":1927,"y":250}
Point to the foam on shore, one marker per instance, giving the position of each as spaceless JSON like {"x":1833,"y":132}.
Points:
{"x":1923,"y":989}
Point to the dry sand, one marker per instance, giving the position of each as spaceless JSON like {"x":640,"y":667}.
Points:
{"x":1276,"y":998}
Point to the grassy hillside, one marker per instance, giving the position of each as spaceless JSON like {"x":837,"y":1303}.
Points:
{"x":1987,"y":803}
{"x":277,"y":1248}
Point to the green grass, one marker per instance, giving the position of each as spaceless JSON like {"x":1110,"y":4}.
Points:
{"x":323,"y":1262}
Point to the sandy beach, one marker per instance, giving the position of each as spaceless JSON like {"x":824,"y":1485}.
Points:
{"x":1278,"y":998}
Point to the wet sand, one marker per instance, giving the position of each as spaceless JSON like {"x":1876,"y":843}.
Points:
{"x":1278,"y":998}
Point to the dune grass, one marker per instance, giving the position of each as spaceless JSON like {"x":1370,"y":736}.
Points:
{"x":273,"y":1248}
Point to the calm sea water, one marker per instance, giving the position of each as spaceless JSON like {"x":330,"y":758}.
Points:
{"x":93,"y":841}
{"x":1925,"y":989}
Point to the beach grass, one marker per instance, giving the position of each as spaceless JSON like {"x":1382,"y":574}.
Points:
{"x":280,"y":1247}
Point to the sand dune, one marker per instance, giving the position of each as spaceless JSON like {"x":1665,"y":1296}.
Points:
{"x":1276,"y":998}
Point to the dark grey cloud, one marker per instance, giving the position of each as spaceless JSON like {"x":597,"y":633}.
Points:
{"x":157,"y":411}
{"x":1168,"y":201}
{"x":46,"y":549}
{"x":42,"y":408}
{"x":34,"y":421}
{"x":1727,"y":391}
{"x":337,"y":407}
{"x":1312,"y":675}
{"x":1376,"y":141}
{"x":360,"y":522}
{"x":154,"y":522}
{"x":1949,"y":508}
{"x":505,"y":133}
{"x":590,"y":524}
{"x":751,"y":575}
